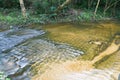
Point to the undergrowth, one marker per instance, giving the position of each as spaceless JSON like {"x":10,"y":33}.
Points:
{"x":14,"y":17}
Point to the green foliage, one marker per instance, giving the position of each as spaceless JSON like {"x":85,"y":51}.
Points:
{"x":88,"y":16}
{"x":42,"y":7}
{"x":43,"y":11}
{"x":85,"y":16}
{"x":15,"y":18}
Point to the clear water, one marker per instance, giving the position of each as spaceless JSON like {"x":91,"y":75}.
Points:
{"x":25,"y":55}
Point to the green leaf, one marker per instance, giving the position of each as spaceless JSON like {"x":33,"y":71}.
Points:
{"x":8,"y":79}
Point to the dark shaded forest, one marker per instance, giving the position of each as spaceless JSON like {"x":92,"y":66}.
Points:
{"x":50,"y":11}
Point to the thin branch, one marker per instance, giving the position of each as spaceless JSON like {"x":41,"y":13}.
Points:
{"x":112,"y":5}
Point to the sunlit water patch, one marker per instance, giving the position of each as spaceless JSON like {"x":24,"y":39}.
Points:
{"x":78,"y":70}
{"x":53,"y":57}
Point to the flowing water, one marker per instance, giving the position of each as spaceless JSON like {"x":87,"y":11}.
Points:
{"x":60,"y":52}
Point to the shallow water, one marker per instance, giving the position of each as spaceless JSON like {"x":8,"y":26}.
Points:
{"x":63,"y":53}
{"x":80,"y":35}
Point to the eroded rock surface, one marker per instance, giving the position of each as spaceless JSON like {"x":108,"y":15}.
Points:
{"x":12,"y":63}
{"x":18,"y":53}
{"x":11,"y":38}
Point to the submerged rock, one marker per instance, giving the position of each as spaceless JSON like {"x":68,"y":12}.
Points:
{"x":16,"y":62}
{"x":12,"y":63}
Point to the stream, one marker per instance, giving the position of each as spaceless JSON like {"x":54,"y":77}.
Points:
{"x":25,"y":55}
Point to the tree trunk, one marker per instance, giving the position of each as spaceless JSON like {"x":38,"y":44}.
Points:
{"x":23,"y":8}
{"x":96,"y":8}
{"x":61,"y":6}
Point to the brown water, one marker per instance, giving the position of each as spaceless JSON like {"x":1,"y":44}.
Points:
{"x":68,"y":51}
{"x":93,"y":39}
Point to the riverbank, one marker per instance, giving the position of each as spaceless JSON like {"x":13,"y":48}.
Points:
{"x":13,"y":17}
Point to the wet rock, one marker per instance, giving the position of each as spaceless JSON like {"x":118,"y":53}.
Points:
{"x":41,"y":49}
{"x":21,"y":74}
{"x":22,"y":77}
{"x":22,"y":62}
{"x":9,"y":67}
{"x":11,"y":38}
{"x":14,"y":62}
{"x":17,"y":61}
